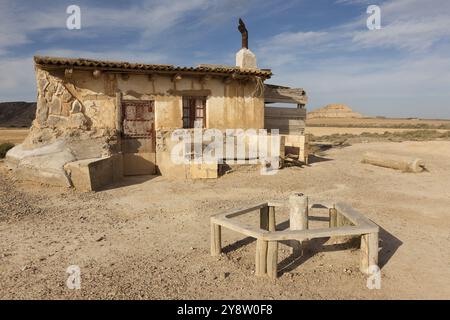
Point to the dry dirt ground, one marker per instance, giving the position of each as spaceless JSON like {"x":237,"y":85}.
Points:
{"x":13,"y":135}
{"x":148,"y":238}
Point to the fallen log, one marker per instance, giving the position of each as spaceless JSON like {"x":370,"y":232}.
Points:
{"x":405,"y":164}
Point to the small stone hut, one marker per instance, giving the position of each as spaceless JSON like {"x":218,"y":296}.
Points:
{"x":97,"y":121}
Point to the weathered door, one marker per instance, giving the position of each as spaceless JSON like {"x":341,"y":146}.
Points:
{"x":138,"y":139}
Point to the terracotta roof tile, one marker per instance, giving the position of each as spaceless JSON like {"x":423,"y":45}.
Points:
{"x":127,"y":66}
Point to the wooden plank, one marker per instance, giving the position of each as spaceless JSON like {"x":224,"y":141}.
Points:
{"x":272,"y":259}
{"x":240,"y":227}
{"x":273,"y":94}
{"x":292,"y":113}
{"x":277,"y":203}
{"x":318,"y":233}
{"x":354,"y":216}
{"x":239,"y":212}
{"x":216,"y":239}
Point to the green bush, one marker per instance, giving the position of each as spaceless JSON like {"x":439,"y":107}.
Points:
{"x":4,"y":147}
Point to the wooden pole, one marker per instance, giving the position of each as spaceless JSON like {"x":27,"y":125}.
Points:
{"x":333,"y":217}
{"x":272,"y":222}
{"x":272,"y":259}
{"x":405,"y":164}
{"x":216,"y":239}
{"x":298,"y":216}
{"x":261,"y":257}
{"x":369,"y":251}
{"x":264,"y":218}
{"x":119,"y":112}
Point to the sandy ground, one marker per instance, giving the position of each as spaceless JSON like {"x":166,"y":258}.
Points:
{"x":13,"y":135}
{"x":148,"y":238}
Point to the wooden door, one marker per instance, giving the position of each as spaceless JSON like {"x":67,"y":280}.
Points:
{"x":138,"y":139}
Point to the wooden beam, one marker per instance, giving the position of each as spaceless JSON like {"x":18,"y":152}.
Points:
{"x":119,"y":113}
{"x":276,"y":94}
{"x":302,"y":235}
{"x":405,"y":164}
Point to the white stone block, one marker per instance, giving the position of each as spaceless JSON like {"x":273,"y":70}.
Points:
{"x":246,"y":59}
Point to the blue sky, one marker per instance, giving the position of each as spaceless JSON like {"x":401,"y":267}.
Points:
{"x":324,"y":46}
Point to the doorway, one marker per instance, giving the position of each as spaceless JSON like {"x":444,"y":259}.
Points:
{"x":138,"y":137}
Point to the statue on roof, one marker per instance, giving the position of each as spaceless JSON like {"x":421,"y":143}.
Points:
{"x":243,"y":30}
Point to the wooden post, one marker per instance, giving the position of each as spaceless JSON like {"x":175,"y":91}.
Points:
{"x":298,"y":216}
{"x":272,"y":259}
{"x":333,"y":217}
{"x":369,"y":251}
{"x":216,"y":239}
{"x":119,"y":112}
{"x":267,"y":218}
{"x":272,"y":222}
{"x":261,"y":257}
{"x":264,"y":218}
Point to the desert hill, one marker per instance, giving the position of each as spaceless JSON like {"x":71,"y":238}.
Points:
{"x":334,"y":111}
{"x":17,"y":114}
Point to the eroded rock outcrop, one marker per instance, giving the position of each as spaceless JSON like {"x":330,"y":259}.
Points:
{"x":334,"y":111}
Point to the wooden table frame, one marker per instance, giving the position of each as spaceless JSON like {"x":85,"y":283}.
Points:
{"x":344,"y":221}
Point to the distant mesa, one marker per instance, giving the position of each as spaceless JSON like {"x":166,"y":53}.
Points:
{"x":334,"y":111}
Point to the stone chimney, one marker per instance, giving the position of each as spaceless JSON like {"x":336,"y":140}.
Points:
{"x":244,"y":57}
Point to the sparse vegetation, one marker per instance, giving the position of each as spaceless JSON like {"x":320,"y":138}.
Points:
{"x":383,"y":125}
{"x":4,"y":147}
{"x":347,"y":138}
